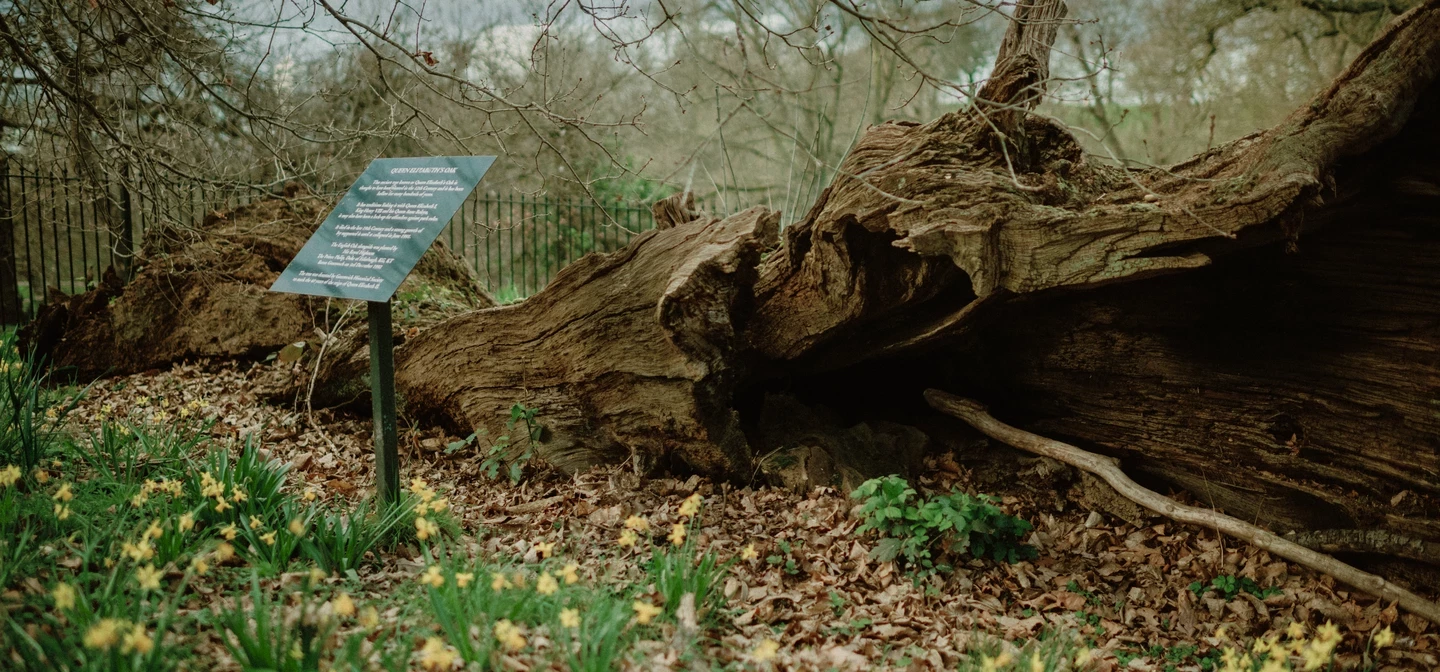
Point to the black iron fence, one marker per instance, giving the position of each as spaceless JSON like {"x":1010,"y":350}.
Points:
{"x":58,"y":232}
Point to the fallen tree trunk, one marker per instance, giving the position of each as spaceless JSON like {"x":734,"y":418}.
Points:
{"x":1260,"y":324}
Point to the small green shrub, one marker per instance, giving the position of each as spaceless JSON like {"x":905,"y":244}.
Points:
{"x":338,"y":541}
{"x":1229,"y":586}
{"x":30,"y":411}
{"x":925,"y":532}
{"x":678,"y":570}
{"x":265,"y":637}
{"x":507,"y":453}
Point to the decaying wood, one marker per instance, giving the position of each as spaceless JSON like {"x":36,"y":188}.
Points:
{"x":674,"y":210}
{"x":203,"y":292}
{"x":1380,"y":542}
{"x":629,"y":355}
{"x":979,"y":418}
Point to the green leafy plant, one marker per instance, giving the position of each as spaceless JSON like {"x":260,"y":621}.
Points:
{"x":264,"y":638}
{"x":925,"y":531}
{"x":29,"y":410}
{"x":506,"y":452}
{"x":785,"y":559}
{"x":338,"y":541}
{"x":1229,"y":586}
{"x":678,"y":570}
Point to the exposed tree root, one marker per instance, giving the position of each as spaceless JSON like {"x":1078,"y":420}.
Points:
{"x":978,"y":416}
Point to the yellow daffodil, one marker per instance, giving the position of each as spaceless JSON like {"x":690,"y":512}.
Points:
{"x":1327,"y":633}
{"x":187,"y":522}
{"x":571,"y":574}
{"x":547,"y":585}
{"x":221,"y":506}
{"x":988,"y":664}
{"x":677,"y":534}
{"x":62,"y":511}
{"x":749,"y":552}
{"x":200,"y":565}
{"x":209,"y":487}
{"x":1382,"y":639}
{"x":544,"y":549}
{"x":104,"y":634}
{"x":644,"y":612}
{"x":317,"y":575}
{"x":440,"y":504}
{"x":498,"y":582}
{"x":256,"y":523}
{"x":432,"y":577}
{"x":268,"y":538}
{"x":569,"y":618}
{"x":627,"y":538}
{"x":691,"y":505}
{"x":154,"y":531}
{"x":1036,"y":665}
{"x":637,"y":523}
{"x":342,"y":605}
{"x":424,"y":529}
{"x":41,"y":476}
{"x":137,"y":551}
{"x":224,"y":552}
{"x":297,"y":527}
{"x":369,"y":617}
{"x":310,"y":495}
{"x":509,"y":635}
{"x":1083,"y":658}
{"x":421,"y":489}
{"x":463,"y":579}
{"x":148,"y":577}
{"x":63,"y":494}
{"x":436,"y":655}
{"x":229,"y":532}
{"x":1296,"y":630}
{"x":137,"y":641}
{"x":64,"y":596}
{"x":9,"y":475}
{"x":765,"y":651}
{"x":238,"y":494}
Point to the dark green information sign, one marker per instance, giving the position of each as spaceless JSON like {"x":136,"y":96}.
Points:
{"x":376,"y":234}
{"x":365,"y":248}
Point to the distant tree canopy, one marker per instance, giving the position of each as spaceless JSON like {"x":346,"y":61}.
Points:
{"x":755,"y":100}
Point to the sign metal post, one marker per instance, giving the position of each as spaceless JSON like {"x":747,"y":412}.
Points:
{"x":382,"y":401}
{"x":366,"y":247}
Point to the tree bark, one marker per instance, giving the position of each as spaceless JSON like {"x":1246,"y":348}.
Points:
{"x":630,"y":355}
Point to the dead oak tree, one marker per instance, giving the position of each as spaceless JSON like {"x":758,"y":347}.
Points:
{"x":1259,"y":324}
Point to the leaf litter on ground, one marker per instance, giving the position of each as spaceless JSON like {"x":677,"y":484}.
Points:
{"x":1124,"y":589}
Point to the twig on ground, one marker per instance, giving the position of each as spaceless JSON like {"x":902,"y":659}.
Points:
{"x":978,"y":417}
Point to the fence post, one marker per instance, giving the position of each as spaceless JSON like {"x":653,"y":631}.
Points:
{"x":12,"y":311}
{"x":125,"y":247}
